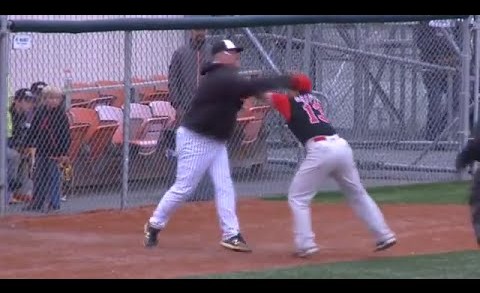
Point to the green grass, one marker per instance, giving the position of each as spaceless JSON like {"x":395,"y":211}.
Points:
{"x":455,"y":265}
{"x":436,"y":193}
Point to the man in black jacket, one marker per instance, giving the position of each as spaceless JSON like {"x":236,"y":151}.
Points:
{"x":469,"y":154}
{"x":183,"y":79}
{"x":201,"y":142}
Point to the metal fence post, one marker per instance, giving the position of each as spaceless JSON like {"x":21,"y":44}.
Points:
{"x":476,"y":80}
{"x":3,"y":112}
{"x":464,"y":98}
{"x":476,"y":87}
{"x":288,"y":53}
{"x":127,"y":77}
{"x":307,"y":50}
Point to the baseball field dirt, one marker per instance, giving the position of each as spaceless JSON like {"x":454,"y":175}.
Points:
{"x":109,"y":244}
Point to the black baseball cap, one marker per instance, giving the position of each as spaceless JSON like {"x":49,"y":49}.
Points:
{"x":225,"y":45}
{"x":24,"y":94}
{"x":37,"y":87}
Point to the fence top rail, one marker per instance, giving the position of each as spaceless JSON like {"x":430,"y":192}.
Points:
{"x":208,"y":22}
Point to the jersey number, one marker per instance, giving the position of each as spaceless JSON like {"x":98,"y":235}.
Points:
{"x":312,"y":107}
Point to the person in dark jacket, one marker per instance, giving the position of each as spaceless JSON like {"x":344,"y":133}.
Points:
{"x":468,"y":155}
{"x":50,"y":136}
{"x":184,"y":70}
{"x":36,"y":89}
{"x":22,"y":106}
{"x":434,"y":48}
{"x":201,"y":142}
{"x":184,"y":77}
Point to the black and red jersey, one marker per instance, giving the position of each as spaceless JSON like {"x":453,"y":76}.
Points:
{"x":304,"y":115}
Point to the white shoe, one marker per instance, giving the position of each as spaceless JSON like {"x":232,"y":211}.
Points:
{"x":385,"y":244}
{"x":303,"y":253}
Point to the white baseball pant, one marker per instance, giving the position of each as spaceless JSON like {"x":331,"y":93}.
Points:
{"x":196,"y":155}
{"x":332,"y":157}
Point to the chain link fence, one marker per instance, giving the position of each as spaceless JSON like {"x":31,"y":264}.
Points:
{"x":394,"y":90}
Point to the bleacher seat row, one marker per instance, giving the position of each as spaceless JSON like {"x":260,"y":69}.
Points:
{"x":104,"y":125}
{"x":116,"y":97}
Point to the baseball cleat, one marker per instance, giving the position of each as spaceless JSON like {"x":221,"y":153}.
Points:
{"x":303,"y":253}
{"x":236,"y":243}
{"x":151,"y":235}
{"x":385,"y":244}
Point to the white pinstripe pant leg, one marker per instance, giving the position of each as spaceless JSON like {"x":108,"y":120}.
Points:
{"x":196,"y":155}
{"x":225,"y":197}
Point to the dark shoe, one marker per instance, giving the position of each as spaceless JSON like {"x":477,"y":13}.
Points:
{"x":51,"y":209}
{"x":151,"y":235}
{"x":14,"y":184}
{"x":32,"y":208}
{"x":385,"y":244}
{"x":236,"y":243}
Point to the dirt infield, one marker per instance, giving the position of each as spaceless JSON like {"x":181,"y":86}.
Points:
{"x":108,"y":244}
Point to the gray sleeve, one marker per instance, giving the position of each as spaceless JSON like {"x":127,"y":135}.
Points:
{"x":208,"y":54}
{"x":175,"y":80}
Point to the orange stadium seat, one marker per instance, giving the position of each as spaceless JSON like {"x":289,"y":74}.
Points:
{"x":82,"y":99}
{"x":99,"y":136}
{"x":145,"y":130}
{"x":163,"y":109}
{"x":77,"y":134}
{"x":118,"y":94}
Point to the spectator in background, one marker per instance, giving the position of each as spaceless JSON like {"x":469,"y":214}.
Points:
{"x":36,"y":89}
{"x":22,"y":106}
{"x":184,"y":70}
{"x":184,"y":76}
{"x":13,"y":159}
{"x":436,"y":49}
{"x":50,"y":136}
